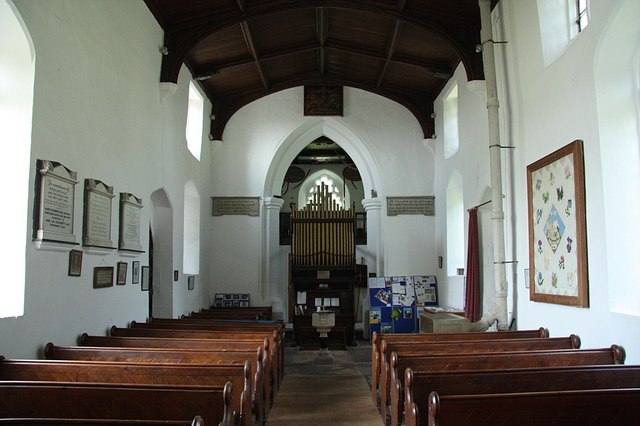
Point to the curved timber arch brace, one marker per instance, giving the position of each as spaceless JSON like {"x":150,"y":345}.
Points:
{"x":410,"y":27}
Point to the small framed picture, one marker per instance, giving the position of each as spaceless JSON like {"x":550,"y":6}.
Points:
{"x":175,"y":275}
{"x":191,"y":281}
{"x":75,"y":263}
{"x":135,"y":272}
{"x":122,"y":273}
{"x":102,"y":276}
{"x":145,"y":278}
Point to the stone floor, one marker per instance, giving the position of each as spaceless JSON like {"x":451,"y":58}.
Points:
{"x":318,"y":395}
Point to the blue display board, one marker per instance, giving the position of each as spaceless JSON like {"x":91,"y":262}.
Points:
{"x":394,"y":302}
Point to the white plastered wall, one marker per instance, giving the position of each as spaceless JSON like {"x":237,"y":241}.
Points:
{"x":97,"y":110}
{"x":556,"y":105}
{"x":472,"y":163}
{"x":259,"y":143}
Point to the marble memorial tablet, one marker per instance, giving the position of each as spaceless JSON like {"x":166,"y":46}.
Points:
{"x":96,"y":230}
{"x":55,"y":192}
{"x":130,"y":207}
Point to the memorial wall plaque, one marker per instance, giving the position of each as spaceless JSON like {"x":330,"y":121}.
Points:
{"x":55,"y":201}
{"x":130,"y":207}
{"x":96,"y":229}
{"x":421,"y":205}
{"x":241,"y":206}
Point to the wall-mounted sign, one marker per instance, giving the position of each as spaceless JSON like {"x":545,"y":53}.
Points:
{"x":55,"y":193}
{"x":96,"y":229}
{"x":129,"y":237}
{"x":249,"y":206}
{"x":425,"y":205}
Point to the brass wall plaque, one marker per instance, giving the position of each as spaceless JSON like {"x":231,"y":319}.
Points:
{"x":240,"y":206}
{"x":425,"y":205}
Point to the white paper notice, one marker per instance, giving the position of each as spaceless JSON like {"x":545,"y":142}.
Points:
{"x":397,"y":288}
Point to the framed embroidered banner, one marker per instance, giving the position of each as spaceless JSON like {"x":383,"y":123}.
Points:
{"x":557,"y":228}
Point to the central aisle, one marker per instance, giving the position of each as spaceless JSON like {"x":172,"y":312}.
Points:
{"x":319,"y":395}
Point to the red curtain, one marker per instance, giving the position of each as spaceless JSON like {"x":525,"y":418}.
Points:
{"x":472,"y":296}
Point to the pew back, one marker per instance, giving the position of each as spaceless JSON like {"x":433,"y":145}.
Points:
{"x":392,"y":394}
{"x":572,"y":407}
{"x":237,"y":331}
{"x":272,"y":350}
{"x":419,"y":385}
{"x":162,"y":374}
{"x":260,"y":384}
{"x":376,"y":344}
{"x":41,"y":421}
{"x":118,"y":401}
{"x":423,"y":349}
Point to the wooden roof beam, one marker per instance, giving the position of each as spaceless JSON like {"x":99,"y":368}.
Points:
{"x":391,"y":49}
{"x":322,"y":31}
{"x":248,"y":38}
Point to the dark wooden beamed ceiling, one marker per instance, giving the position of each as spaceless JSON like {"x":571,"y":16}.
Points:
{"x":242,"y":50}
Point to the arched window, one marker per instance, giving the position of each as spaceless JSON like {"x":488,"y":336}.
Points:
{"x":195,"y":120}
{"x":560,"y":22}
{"x":17,"y":67}
{"x":338,"y":190}
{"x":191,"y":250}
{"x":451,"y":138}
{"x":455,"y":224}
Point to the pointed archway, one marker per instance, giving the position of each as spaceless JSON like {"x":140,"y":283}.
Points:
{"x":273,"y":280}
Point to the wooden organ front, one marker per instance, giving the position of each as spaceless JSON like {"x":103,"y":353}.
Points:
{"x":322,"y":267}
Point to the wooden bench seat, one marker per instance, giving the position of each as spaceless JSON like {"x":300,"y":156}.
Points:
{"x":157,"y":374}
{"x":376,"y":344}
{"x":261,"y":388}
{"x":272,"y":350}
{"x":490,"y":361}
{"x":41,"y":421}
{"x":419,"y":385}
{"x":620,"y":407}
{"x":267,"y":324}
{"x":231,"y":329}
{"x":217,"y":345}
{"x":421,"y":349}
{"x":115,"y":401}
{"x":246,"y":312}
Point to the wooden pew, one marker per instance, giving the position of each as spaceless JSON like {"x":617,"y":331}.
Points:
{"x":376,"y":339}
{"x":419,"y":385}
{"x":422,"y":349}
{"x":226,"y":326}
{"x":41,"y":421}
{"x":261,"y":390}
{"x":155,"y":374}
{"x":490,"y":361}
{"x":247,"y":312}
{"x":619,"y":407}
{"x":115,"y":401}
{"x":272,"y":350}
{"x":221,"y":345}
{"x":278,"y":324}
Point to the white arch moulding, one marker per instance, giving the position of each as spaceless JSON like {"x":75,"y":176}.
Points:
{"x":273,"y":286}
